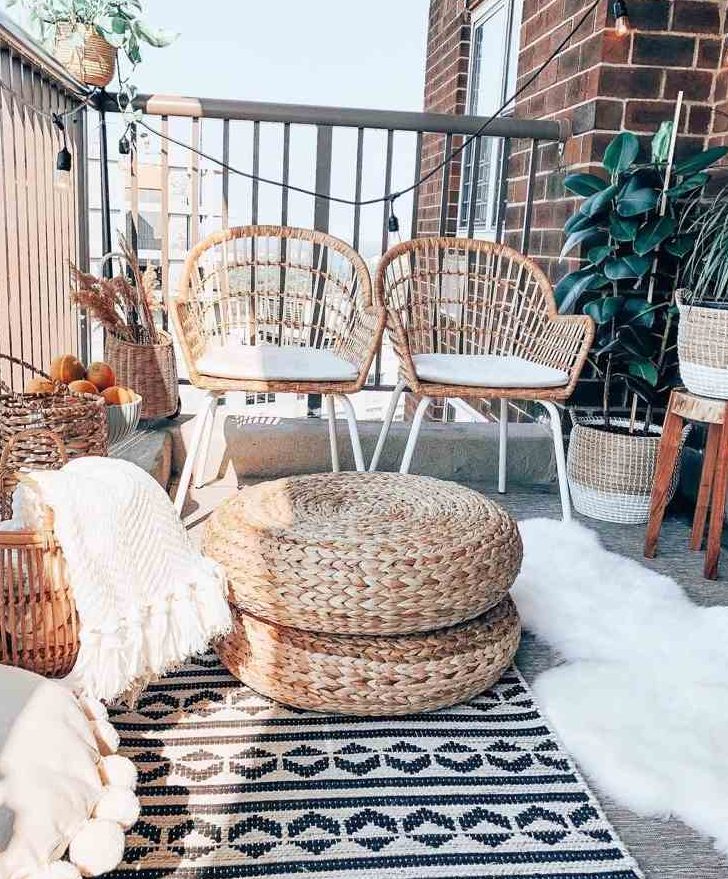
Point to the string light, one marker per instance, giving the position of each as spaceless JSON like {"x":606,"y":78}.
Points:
{"x":621,"y":18}
{"x":64,"y":160}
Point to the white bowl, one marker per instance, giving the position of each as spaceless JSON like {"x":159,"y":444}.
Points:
{"x":123,"y":419}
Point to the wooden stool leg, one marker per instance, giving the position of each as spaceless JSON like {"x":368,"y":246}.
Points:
{"x":706,"y":484}
{"x":666,"y":459}
{"x":717,"y":508}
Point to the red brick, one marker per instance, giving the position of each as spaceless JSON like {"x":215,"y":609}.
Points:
{"x":666,"y":50}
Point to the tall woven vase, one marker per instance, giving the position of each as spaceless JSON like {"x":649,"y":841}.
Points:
{"x":150,"y":370}
{"x":85,"y":54}
{"x":611,"y":474}
{"x":702,"y":343}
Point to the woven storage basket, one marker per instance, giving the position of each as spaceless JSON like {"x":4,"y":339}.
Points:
{"x":373,"y":675}
{"x":150,"y":370}
{"x":364,"y":553}
{"x":611,"y":474}
{"x":80,"y":420}
{"x":93,"y":62}
{"x":702,"y":343}
{"x":38,"y":620}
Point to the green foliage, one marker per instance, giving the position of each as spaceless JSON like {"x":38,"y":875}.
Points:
{"x":120,"y":22}
{"x":706,"y":247}
{"x":634,"y":248}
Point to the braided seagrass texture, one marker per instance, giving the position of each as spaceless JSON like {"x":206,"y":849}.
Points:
{"x":364,"y":553}
{"x":372,"y":675}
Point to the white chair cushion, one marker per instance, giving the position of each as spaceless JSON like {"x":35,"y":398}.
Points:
{"x":271,"y":363}
{"x":487,"y":371}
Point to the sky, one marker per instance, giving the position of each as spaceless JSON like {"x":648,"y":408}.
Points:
{"x":359,"y":54}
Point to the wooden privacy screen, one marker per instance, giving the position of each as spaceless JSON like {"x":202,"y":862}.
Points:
{"x":42,"y":229}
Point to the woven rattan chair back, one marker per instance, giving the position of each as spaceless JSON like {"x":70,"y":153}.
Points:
{"x":273,"y":285}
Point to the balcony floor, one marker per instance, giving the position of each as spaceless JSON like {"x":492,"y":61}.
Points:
{"x":664,"y":849}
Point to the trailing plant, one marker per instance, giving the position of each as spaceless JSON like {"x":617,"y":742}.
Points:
{"x":630,"y":227}
{"x":705,"y":273}
{"x":120,"y":22}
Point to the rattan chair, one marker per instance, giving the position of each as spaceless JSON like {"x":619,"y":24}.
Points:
{"x":473,"y":319}
{"x":278,"y":309}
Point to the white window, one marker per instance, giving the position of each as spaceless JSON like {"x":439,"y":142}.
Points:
{"x":493,"y":66}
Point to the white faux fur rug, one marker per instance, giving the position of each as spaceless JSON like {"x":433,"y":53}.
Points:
{"x":642,"y":699}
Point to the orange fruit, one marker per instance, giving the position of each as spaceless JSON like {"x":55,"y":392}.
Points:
{"x":83,"y":387}
{"x":39,"y":386}
{"x":67,"y":369}
{"x":102,"y":375}
{"x":116,"y":395}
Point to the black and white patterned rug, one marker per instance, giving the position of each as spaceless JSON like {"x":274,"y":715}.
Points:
{"x":233,"y":785}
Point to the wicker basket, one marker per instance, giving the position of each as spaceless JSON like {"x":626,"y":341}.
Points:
{"x":702,"y":343}
{"x":150,"y":370}
{"x":38,"y":619}
{"x":80,"y":420}
{"x":373,"y":675}
{"x":364,"y":553}
{"x":93,"y":62}
{"x":611,"y":474}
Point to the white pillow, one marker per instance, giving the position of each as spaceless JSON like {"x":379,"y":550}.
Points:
{"x":52,"y":795}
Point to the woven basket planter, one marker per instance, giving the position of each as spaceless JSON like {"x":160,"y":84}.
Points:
{"x":702,"y":343}
{"x":150,"y":370}
{"x":364,"y":553}
{"x":372,"y":675}
{"x":93,"y":61}
{"x":611,"y":474}
{"x":38,"y":619}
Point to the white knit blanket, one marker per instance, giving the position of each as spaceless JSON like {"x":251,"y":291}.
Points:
{"x":146,"y":598}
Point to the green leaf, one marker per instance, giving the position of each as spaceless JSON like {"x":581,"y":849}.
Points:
{"x":661,"y":142}
{"x":576,"y":238}
{"x":601,"y":311}
{"x":644,"y":369}
{"x":119,"y":25}
{"x":699,"y":161}
{"x":652,"y":234}
{"x":638,"y":386}
{"x":584,"y":184}
{"x":689,"y":184}
{"x":621,"y":152}
{"x":597,"y":202}
{"x":641,"y":313}
{"x":577,"y":222}
{"x":622,"y":229}
{"x":636,"y":340}
{"x":635,"y":199}
{"x":630,"y":266}
{"x":569,"y":289}
{"x":680,"y":246}
{"x":157,"y":38}
{"x":597,"y":255}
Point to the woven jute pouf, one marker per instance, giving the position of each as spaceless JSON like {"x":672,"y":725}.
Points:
{"x":372,"y":674}
{"x":364,"y":553}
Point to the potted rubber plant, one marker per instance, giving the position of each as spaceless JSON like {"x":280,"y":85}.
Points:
{"x":85,"y":36}
{"x":703,"y":299}
{"x":630,"y":228}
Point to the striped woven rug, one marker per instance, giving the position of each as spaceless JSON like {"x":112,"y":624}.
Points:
{"x":233,"y":785}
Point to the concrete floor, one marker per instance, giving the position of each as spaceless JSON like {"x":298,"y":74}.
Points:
{"x":665,"y":849}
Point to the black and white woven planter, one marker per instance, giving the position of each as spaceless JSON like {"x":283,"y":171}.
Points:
{"x":702,"y":343}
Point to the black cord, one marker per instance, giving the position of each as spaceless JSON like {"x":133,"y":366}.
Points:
{"x":389,"y":196}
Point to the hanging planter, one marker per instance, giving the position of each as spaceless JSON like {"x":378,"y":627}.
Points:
{"x":85,"y":54}
{"x":611,"y":471}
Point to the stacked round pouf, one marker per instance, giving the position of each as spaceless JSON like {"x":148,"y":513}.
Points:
{"x":367,"y":593}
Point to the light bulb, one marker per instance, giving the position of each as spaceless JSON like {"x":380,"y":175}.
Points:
{"x":621,"y":18}
{"x":62,"y":174}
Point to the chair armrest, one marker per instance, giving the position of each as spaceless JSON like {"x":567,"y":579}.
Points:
{"x":564,"y":344}
{"x":360,"y":338}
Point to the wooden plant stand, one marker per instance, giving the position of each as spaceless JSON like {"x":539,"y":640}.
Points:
{"x":684,"y":406}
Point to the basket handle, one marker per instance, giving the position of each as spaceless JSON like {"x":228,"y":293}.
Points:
{"x":16,"y":360}
{"x":36,"y":432}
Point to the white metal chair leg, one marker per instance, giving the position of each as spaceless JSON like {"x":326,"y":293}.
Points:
{"x":555,"y":418}
{"x":386,"y":425}
{"x":192,"y":452}
{"x":503,"y":447}
{"x":333,"y":442}
{"x":414,"y":434}
{"x":204,"y":453}
{"x":353,"y":432}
